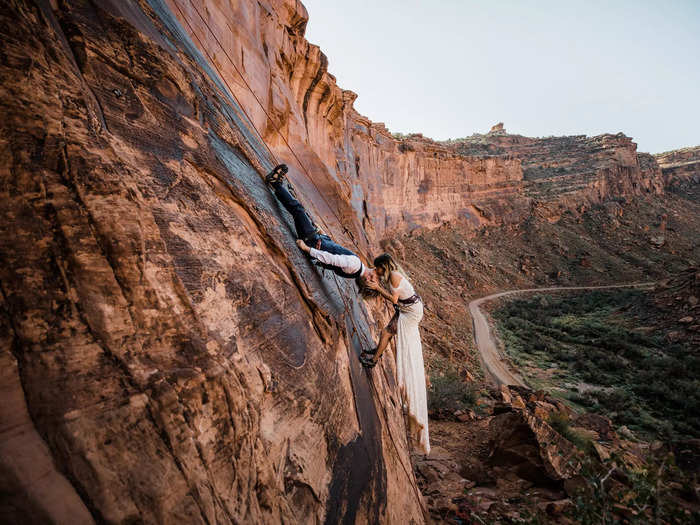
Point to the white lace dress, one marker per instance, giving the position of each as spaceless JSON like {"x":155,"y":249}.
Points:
{"x":409,"y":365}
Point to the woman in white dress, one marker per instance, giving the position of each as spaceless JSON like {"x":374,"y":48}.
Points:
{"x":409,"y":351}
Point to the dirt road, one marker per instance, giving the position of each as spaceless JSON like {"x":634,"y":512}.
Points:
{"x":494,"y":364}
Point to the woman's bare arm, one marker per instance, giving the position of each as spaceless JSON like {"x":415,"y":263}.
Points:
{"x":395,"y":279}
{"x":392,"y":298}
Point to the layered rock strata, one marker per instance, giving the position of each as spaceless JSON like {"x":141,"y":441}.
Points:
{"x":573,"y":170}
{"x":379,"y":183}
{"x":681,"y":166}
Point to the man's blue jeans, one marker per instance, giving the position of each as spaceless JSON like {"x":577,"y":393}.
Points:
{"x":305,"y":228}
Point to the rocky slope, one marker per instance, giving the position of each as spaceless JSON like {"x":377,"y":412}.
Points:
{"x":643,"y":239}
{"x":530,"y":458}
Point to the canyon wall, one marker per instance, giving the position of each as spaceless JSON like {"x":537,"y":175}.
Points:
{"x":681,"y":166}
{"x":168,"y":354}
{"x":378,"y":183}
{"x":572,"y":172}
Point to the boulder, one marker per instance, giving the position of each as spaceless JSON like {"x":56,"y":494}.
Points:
{"x":529,"y":446}
{"x":600,"y":425}
{"x":557,"y":508}
{"x":469,"y":415}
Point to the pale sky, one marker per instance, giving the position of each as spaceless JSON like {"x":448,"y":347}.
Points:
{"x":450,"y":68}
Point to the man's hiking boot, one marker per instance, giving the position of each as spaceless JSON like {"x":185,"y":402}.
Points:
{"x":277,"y":174}
{"x":368,"y":362}
{"x":367,"y":358}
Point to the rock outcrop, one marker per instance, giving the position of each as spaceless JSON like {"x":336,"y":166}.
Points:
{"x":523,"y":440}
{"x":530,"y":456}
{"x":681,"y":166}
{"x":168,"y":356}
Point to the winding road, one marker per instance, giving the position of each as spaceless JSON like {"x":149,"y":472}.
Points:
{"x":493,"y":362}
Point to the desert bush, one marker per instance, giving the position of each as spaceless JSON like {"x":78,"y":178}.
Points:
{"x":613,"y":493}
{"x":448,"y":393}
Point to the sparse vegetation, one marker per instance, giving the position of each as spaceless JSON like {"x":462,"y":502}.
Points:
{"x":448,"y":393}
{"x":561,"y":424}
{"x":596,"y":347}
{"x":403,"y":136}
{"x":659,"y":492}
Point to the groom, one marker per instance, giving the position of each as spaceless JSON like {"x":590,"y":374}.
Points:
{"x":320,"y":247}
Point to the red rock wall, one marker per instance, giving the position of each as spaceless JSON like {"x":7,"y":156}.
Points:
{"x":681,"y":166}
{"x":168,"y":355}
{"x":372,"y":179}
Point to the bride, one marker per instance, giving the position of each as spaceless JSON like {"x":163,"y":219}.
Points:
{"x":409,"y":351}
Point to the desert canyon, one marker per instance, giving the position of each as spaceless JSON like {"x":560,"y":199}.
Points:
{"x":169,"y":355}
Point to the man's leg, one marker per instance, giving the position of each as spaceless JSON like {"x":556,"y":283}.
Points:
{"x":327,"y":245}
{"x":305,"y":228}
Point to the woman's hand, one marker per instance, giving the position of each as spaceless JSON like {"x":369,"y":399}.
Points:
{"x":302,"y":246}
{"x":373,"y":285}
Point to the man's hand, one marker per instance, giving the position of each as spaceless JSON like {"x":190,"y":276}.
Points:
{"x":302,"y":246}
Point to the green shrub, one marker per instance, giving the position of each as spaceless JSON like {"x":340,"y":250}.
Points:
{"x":560,"y":422}
{"x":643,"y":382}
{"x":647,"y":494}
{"x":448,"y":393}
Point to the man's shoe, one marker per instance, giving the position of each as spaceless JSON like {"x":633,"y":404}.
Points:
{"x":277,"y":174}
{"x":367,"y":358}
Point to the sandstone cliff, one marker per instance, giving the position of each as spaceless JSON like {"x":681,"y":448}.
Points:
{"x":572,"y":172}
{"x":388,"y":184}
{"x":167,"y":353}
{"x":680,"y":166}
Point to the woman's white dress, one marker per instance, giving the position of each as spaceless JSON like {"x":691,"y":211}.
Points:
{"x":409,"y":364}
